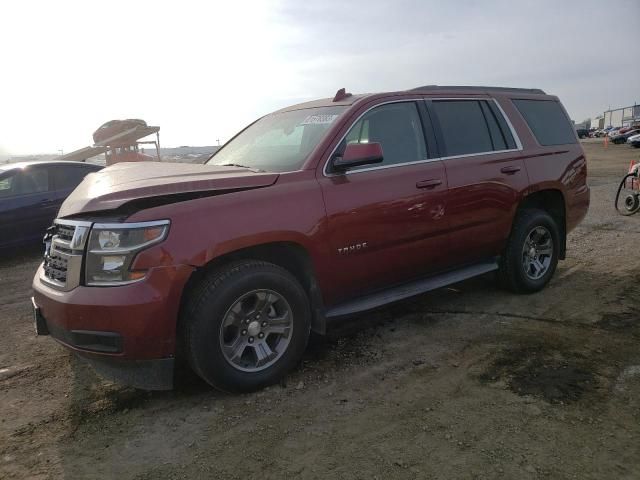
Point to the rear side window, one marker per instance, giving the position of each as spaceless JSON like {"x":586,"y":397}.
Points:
{"x":31,"y":180}
{"x":68,"y":178}
{"x":547,"y":121}
{"x":471,"y":126}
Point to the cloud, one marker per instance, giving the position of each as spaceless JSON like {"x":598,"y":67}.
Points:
{"x":202,"y":70}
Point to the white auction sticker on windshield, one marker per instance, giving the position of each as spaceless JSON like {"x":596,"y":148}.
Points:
{"x":319,"y":119}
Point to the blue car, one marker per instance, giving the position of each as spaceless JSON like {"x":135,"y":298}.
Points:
{"x":31,"y":194}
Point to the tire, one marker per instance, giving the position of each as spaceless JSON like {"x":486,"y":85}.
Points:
{"x":518,"y":270}
{"x":242,"y":302}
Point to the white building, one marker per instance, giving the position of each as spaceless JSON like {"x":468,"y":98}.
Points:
{"x":622,"y":117}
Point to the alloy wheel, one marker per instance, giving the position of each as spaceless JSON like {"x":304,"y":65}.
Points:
{"x":537,"y":252}
{"x":256,"y":330}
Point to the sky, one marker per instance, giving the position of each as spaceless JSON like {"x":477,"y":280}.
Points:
{"x":202,"y":70}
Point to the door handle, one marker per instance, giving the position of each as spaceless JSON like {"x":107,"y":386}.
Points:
{"x":431,"y":183}
{"x":510,"y":170}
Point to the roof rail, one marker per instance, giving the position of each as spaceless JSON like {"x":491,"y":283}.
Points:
{"x":485,"y":89}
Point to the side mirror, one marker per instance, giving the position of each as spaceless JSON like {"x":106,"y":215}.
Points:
{"x":357,"y":154}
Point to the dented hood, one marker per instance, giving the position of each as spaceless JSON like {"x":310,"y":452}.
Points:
{"x":123,"y":182}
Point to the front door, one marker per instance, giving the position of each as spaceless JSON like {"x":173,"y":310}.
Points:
{"x":386,"y":221}
{"x":26,"y":207}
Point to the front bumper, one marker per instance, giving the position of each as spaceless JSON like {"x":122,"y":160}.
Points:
{"x":128,"y":332}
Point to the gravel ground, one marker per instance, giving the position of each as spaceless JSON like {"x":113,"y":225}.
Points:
{"x":464,"y":382}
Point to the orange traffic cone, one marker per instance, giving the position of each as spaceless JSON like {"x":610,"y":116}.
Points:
{"x":606,"y":141}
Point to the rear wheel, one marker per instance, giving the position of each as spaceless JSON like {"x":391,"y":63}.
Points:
{"x":531,"y":255}
{"x":246,"y":325}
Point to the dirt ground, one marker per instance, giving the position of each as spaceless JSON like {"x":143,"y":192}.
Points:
{"x":467,"y":382}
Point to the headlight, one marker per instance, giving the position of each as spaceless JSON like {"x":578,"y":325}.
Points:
{"x":113,"y":246}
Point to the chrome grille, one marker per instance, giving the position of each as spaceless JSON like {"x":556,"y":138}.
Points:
{"x":55,"y":267}
{"x":65,"y":232}
{"x":62,"y":264}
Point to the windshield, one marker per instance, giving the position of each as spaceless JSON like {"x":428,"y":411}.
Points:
{"x":279,"y":142}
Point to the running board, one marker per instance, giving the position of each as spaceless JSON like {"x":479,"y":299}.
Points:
{"x":407,"y":290}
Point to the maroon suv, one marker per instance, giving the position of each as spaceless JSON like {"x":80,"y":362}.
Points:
{"x":316,"y":211}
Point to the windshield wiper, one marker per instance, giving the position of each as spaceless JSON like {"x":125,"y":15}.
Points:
{"x":233,"y":165}
{"x":241,"y":166}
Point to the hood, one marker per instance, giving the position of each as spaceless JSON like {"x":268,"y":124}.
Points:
{"x":124,"y":182}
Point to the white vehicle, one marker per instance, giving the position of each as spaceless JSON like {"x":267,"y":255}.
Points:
{"x":634,"y":138}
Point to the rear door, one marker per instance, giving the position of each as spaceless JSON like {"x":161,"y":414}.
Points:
{"x":386,"y":221}
{"x":486,"y":177}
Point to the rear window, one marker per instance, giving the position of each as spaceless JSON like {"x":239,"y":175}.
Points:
{"x":547,"y":121}
{"x":68,"y":178}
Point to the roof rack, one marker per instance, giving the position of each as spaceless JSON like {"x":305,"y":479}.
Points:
{"x":485,"y":89}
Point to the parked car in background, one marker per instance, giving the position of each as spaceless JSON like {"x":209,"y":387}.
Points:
{"x":582,"y":133}
{"x":622,"y":137}
{"x":634,"y":140}
{"x":31,"y":194}
{"x":311,"y":213}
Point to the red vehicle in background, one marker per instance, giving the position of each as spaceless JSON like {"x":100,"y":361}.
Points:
{"x":119,"y":141}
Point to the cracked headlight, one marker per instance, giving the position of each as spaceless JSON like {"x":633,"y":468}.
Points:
{"x":113,"y":246}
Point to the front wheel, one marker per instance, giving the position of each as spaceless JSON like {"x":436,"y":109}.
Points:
{"x":531,"y":255}
{"x":246,"y":325}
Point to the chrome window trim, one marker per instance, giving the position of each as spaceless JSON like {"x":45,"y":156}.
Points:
{"x":383,"y":167}
{"x":516,"y":138}
{"x":510,"y":125}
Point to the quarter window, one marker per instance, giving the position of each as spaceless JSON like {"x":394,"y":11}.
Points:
{"x":547,"y":121}
{"x":397,"y":127}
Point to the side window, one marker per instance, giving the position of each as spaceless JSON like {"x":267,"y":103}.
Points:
{"x":547,"y":121}
{"x":31,"y":180}
{"x":498,"y":139}
{"x":463,"y":125}
{"x":7,"y":185}
{"x":68,"y":178}
{"x":397,"y":127}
